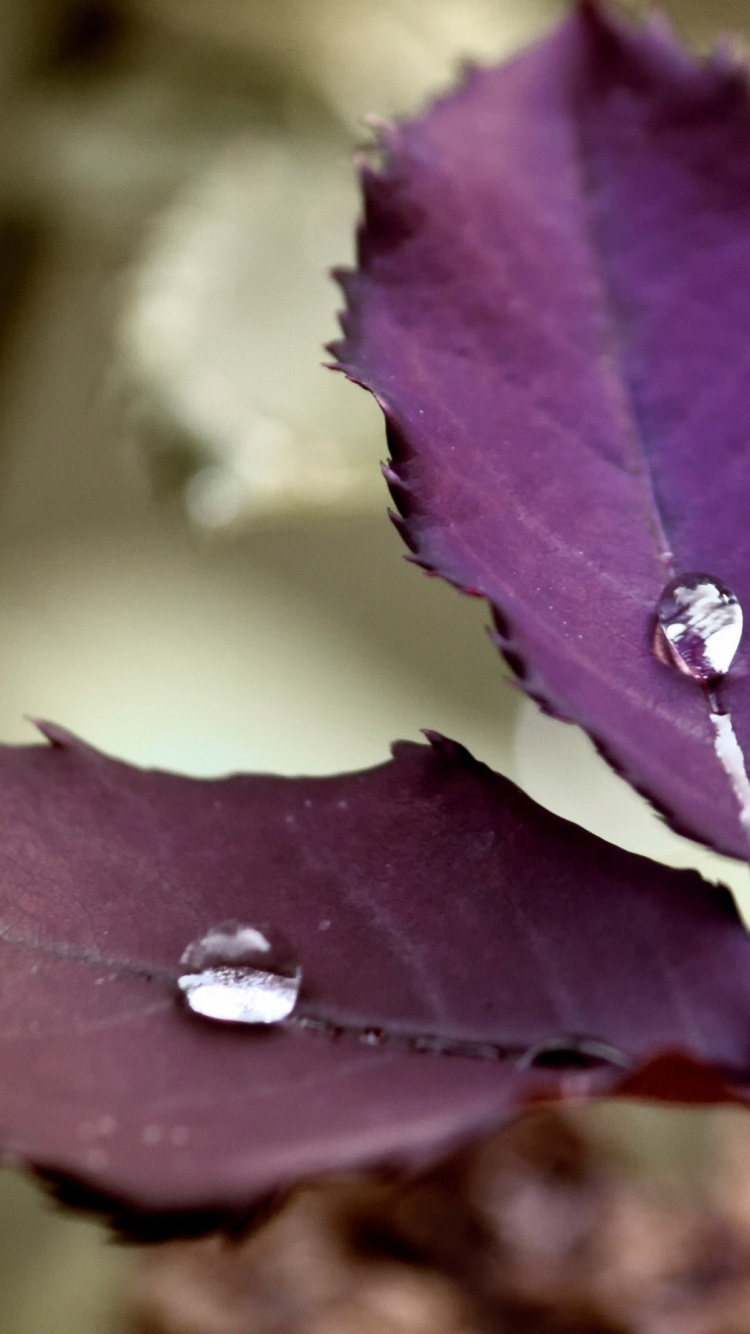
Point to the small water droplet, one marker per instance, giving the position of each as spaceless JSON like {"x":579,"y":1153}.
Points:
{"x":241,"y":974}
{"x":314,"y":1024}
{"x":700,"y":621}
{"x":311,"y":1023}
{"x":569,"y":1051}
{"x":373,"y":1037}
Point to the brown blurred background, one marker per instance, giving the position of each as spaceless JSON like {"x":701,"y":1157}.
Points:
{"x":195,"y":567}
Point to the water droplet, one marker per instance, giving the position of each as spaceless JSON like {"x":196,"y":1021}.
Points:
{"x":700,"y":621}
{"x":571,"y":1052}
{"x":373,"y":1037}
{"x":241,"y":974}
{"x":315,"y":1024}
{"x":312,"y":1023}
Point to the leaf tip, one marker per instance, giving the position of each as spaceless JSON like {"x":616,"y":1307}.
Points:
{"x":447,"y":748}
{"x":59,"y":737}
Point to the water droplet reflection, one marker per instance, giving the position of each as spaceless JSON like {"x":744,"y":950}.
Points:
{"x":700,"y":620}
{"x":241,"y":974}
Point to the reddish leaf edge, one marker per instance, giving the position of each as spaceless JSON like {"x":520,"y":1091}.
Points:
{"x":373,"y":162}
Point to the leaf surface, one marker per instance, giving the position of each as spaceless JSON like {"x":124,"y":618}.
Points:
{"x":432,"y":904}
{"x":553,"y":308}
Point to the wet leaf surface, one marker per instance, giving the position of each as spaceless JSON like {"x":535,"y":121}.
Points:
{"x":446,"y":926}
{"x":552,"y":308}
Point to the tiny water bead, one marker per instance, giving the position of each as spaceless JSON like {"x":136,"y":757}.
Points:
{"x":241,"y":974}
{"x":700,"y":620}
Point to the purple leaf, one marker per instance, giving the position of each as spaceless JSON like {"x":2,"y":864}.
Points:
{"x":447,"y":928}
{"x":553,"y":308}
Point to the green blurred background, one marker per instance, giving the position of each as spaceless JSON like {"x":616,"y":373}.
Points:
{"x":195,"y":567}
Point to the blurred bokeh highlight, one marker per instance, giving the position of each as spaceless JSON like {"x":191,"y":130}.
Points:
{"x":196,"y":570}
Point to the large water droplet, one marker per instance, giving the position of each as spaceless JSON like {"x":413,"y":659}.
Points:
{"x":701,"y":621}
{"x":241,"y":974}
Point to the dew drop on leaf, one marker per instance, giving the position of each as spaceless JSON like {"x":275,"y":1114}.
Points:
{"x":241,"y":974}
{"x":700,"y":620}
{"x":571,"y":1051}
{"x":373,"y":1037}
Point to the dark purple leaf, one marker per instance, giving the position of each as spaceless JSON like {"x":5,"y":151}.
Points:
{"x":553,"y":308}
{"x":438,"y":913}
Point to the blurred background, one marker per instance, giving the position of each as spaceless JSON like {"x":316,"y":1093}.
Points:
{"x":196,"y":571}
